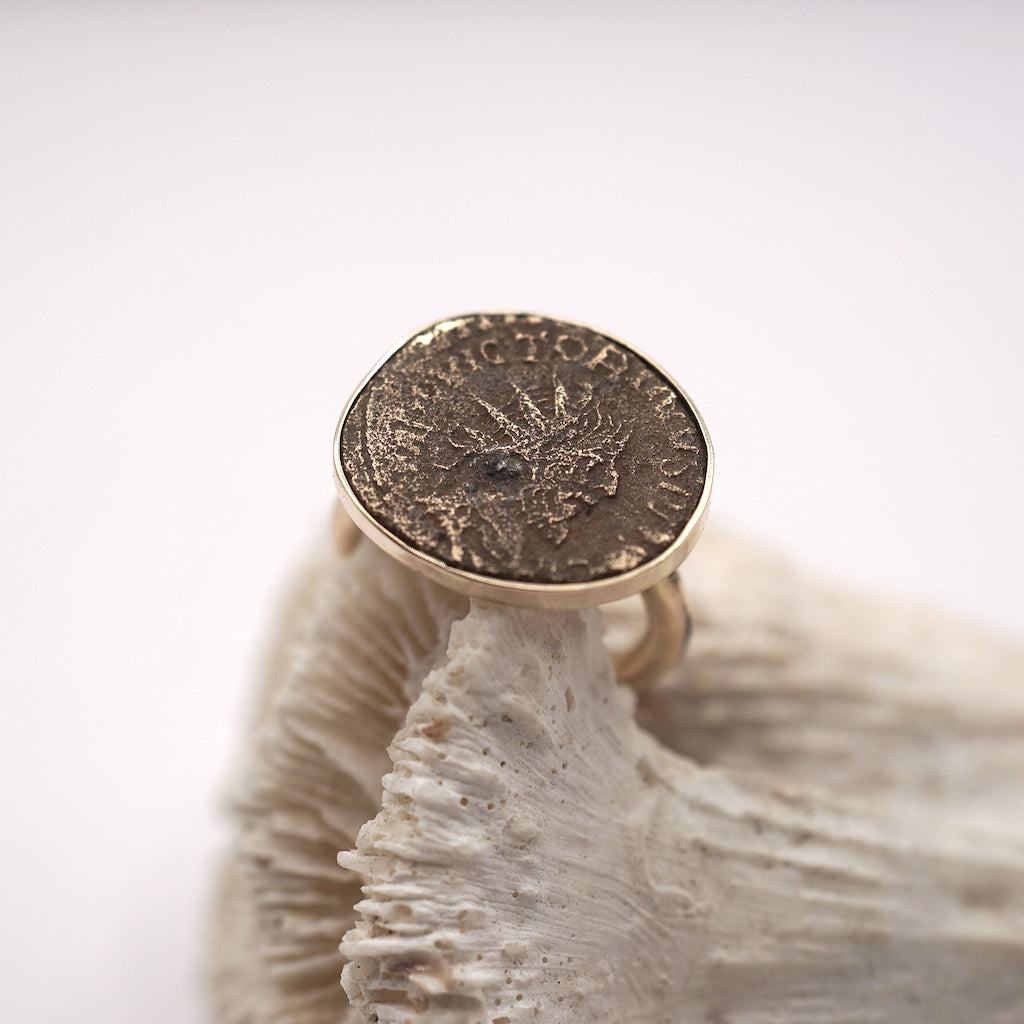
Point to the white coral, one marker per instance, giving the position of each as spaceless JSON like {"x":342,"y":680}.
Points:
{"x":837,"y":837}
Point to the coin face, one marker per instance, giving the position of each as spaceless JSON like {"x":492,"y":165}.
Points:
{"x":523,"y":448}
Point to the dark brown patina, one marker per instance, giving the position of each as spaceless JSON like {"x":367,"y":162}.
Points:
{"x":525,"y":448}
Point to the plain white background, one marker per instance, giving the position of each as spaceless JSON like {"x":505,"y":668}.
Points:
{"x":215,"y":217}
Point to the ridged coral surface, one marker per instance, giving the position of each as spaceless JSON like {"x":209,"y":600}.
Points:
{"x":819,"y":817}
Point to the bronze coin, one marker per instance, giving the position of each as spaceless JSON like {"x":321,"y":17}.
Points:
{"x":525,"y":448}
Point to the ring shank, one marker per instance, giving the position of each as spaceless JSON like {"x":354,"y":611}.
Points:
{"x":668,"y":619}
{"x":669,"y":625}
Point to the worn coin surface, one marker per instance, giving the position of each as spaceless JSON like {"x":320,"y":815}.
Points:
{"x":525,"y":448}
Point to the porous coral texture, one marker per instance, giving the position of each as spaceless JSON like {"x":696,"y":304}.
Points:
{"x":355,"y":638}
{"x":818,"y":820}
{"x":538,"y":857}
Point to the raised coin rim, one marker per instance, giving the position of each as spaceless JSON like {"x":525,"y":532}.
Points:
{"x":551,"y":596}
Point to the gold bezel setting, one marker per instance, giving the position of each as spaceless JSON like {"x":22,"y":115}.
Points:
{"x":564,"y":596}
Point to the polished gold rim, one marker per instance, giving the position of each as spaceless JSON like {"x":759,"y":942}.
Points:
{"x":554,"y":596}
{"x":668,"y":619}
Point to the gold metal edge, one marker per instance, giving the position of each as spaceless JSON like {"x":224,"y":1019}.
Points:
{"x":549,"y":596}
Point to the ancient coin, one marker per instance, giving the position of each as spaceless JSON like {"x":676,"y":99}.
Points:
{"x":525,"y":448}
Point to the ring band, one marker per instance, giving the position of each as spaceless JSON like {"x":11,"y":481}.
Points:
{"x":530,"y":461}
{"x":669,"y":623}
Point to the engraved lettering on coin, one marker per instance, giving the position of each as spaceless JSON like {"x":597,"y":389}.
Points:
{"x":525,"y":448}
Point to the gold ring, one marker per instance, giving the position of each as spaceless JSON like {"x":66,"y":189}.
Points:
{"x":533,"y":462}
